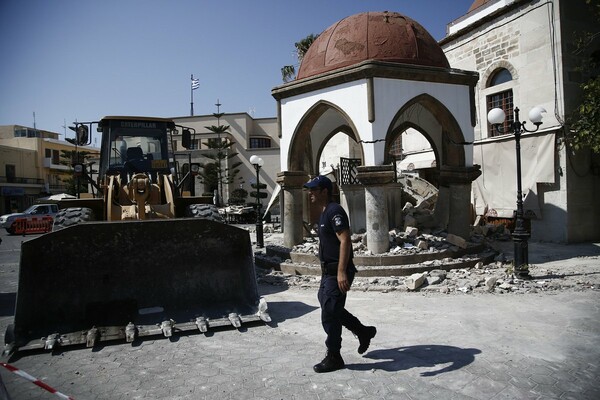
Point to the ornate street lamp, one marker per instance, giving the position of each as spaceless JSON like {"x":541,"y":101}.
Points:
{"x":520,"y":235}
{"x":258,"y":163}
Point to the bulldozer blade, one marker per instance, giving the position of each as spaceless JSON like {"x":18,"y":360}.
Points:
{"x":102,"y":281}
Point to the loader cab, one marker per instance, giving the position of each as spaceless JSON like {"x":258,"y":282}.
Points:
{"x":132,"y":145}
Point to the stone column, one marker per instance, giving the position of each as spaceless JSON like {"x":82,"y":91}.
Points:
{"x":458,"y":182}
{"x":375,"y":179}
{"x":291,"y":187}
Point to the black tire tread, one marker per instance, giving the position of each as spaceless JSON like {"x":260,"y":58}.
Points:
{"x":204,"y":211}
{"x":72,"y":216}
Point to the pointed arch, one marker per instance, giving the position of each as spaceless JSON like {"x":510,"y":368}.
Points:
{"x":319,"y":124}
{"x":447,"y":143}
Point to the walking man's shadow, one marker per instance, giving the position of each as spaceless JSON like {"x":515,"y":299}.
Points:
{"x":403,"y":358}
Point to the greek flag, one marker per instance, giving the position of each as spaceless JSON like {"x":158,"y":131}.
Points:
{"x":195,"y":84}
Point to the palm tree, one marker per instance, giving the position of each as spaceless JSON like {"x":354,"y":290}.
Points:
{"x":288,"y":72}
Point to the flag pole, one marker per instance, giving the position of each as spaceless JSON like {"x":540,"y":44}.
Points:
{"x":192,"y":97}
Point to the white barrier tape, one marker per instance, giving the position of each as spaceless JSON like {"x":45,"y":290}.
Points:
{"x":35,"y":381}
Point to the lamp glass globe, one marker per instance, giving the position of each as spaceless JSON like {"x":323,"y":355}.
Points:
{"x":535,"y":115}
{"x":496,"y":116}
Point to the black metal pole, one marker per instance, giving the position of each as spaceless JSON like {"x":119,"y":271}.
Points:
{"x":520,"y":234}
{"x":259,"y":225}
{"x":192,"y":97}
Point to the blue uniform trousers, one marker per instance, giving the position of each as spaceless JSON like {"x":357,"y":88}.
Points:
{"x":333,"y":312}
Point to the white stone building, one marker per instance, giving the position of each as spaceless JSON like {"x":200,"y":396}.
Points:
{"x":372,"y":76}
{"x":523,"y":52}
{"x":251,"y":136}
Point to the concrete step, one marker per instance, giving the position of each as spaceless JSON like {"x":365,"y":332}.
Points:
{"x":282,"y":259}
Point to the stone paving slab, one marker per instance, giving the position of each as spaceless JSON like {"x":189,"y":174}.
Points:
{"x":427,"y":347}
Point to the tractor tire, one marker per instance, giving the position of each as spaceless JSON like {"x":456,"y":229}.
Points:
{"x":204,"y":211}
{"x":72,"y":216}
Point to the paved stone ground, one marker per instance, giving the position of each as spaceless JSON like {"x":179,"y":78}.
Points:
{"x":543,"y":345}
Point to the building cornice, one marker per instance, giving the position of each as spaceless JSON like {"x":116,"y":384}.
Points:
{"x":482,"y":21}
{"x":376,"y":69}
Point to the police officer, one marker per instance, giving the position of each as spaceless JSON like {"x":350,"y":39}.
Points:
{"x":335,"y":253}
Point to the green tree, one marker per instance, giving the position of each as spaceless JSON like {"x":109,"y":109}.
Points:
{"x":584,"y":122}
{"x":72,"y":183}
{"x":238,"y":196}
{"x":288,"y":72}
{"x":217,"y":173}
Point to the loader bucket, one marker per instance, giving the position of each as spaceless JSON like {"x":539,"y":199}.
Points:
{"x":102,"y":281}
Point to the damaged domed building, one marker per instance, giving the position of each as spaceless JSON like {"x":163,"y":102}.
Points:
{"x":390,"y":114}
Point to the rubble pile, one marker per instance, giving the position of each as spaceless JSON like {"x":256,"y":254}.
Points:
{"x":495,"y":278}
{"x":402,"y":242}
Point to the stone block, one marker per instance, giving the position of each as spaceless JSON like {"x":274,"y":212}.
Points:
{"x":457,"y":241}
{"x":422,"y":244}
{"x":415,"y":281}
{"x":438,"y":272}
{"x":411,"y":231}
{"x":490,"y":283}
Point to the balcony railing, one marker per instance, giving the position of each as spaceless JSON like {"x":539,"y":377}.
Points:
{"x":26,"y":181}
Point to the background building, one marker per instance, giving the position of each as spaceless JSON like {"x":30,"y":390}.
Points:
{"x":30,"y":166}
{"x":523,"y":51}
{"x":250,"y":136}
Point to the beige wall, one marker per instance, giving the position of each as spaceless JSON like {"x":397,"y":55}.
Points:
{"x":242,"y":128}
{"x":35,"y":174}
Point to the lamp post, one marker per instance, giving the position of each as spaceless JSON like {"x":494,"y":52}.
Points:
{"x":520,"y":235}
{"x":258,"y":163}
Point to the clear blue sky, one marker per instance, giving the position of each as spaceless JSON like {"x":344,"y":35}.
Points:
{"x":84,"y":59}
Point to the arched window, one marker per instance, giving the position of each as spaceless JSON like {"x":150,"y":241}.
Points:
{"x":502,"y":99}
{"x":502,"y":75}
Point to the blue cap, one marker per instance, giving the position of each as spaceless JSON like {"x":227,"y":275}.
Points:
{"x":320,"y":181}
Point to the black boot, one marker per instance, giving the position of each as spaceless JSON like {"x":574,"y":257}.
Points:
{"x":364,"y":338}
{"x":331,"y":362}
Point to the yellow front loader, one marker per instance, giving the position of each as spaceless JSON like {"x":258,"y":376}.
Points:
{"x":137,"y":259}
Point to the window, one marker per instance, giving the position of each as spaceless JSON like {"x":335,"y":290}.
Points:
{"x":502,"y":100}
{"x":501,"y":76}
{"x":396,"y":147}
{"x":55,"y":157}
{"x":26,"y":132}
{"x":48,"y":153}
{"x":10,"y":172}
{"x":260,"y":143}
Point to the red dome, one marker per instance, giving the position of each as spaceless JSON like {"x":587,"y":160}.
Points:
{"x":383,"y":36}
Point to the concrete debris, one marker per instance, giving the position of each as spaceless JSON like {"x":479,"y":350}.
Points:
{"x":457,"y":241}
{"x":490,"y":283}
{"x":415,"y":281}
{"x":411,"y":231}
{"x":489,"y":279}
{"x":493,"y":278}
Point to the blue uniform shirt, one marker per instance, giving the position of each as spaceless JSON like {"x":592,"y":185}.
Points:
{"x":333,"y":219}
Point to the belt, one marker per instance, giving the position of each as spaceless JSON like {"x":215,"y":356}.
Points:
{"x":329,"y":268}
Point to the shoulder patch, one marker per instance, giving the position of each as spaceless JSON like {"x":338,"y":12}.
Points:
{"x":337,"y":220}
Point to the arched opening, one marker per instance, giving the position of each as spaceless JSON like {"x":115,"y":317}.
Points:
{"x":324,"y":138}
{"x":433,"y":120}
{"x":323,"y":123}
{"x":412,"y":153}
